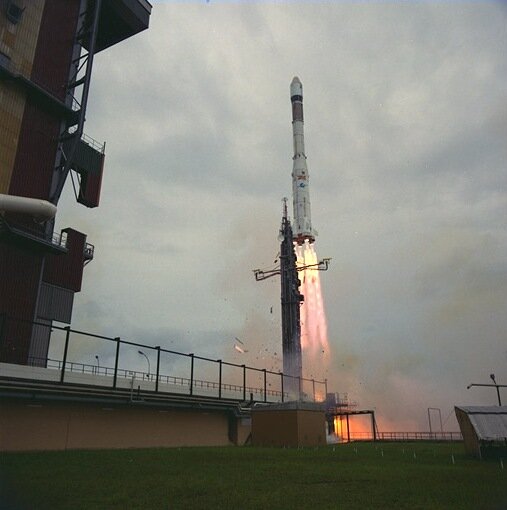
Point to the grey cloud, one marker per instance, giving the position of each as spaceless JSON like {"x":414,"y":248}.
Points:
{"x":405,"y":130}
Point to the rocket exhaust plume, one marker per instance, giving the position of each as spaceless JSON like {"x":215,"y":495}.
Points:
{"x":314,"y":342}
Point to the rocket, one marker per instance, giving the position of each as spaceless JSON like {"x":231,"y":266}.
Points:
{"x":302,"y":223}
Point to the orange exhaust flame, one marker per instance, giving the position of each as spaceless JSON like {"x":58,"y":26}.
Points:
{"x":359,"y":428}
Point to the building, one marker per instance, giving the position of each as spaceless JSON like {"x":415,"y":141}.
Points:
{"x":289,"y":424}
{"x":47,"y":48}
{"x":484,"y":430}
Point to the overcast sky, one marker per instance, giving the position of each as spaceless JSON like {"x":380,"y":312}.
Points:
{"x":405,"y":123}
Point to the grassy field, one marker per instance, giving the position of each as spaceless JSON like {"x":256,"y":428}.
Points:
{"x":351,"y":476}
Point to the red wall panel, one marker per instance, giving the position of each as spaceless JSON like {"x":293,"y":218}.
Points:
{"x":51,"y":65}
{"x":91,"y":184}
{"x":66,"y":270}
{"x":19,"y":282}
{"x":36,"y":154}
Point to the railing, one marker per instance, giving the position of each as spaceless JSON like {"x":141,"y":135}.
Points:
{"x":338,"y":401}
{"x":99,"y":147}
{"x":59,"y":239}
{"x":136,"y":375}
{"x":420,"y":436}
{"x":88,"y":251}
{"x":18,"y":71}
{"x":407,"y":436}
{"x":252,"y":383}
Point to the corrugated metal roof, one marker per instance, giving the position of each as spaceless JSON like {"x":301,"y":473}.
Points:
{"x":484,"y":409}
{"x":489,"y":422}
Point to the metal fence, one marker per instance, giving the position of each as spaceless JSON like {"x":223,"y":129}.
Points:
{"x":407,"y":436}
{"x":171,"y":372}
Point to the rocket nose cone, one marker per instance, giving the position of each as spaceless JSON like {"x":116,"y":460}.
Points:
{"x":296,"y":87}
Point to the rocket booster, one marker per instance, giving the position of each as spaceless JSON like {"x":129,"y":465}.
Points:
{"x":302,"y":223}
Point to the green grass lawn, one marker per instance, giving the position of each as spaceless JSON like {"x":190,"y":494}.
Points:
{"x":351,"y":476}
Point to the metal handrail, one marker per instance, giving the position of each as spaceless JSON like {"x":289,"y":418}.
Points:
{"x":87,"y":368}
{"x":169,"y":351}
{"x":94,"y":144}
{"x":66,"y":365}
{"x":17,"y":71}
{"x":88,"y":250}
{"x":59,"y":239}
{"x":407,"y":436}
{"x":56,"y":239}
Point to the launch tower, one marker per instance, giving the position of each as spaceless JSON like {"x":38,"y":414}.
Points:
{"x":47,"y":48}
{"x":291,"y":300}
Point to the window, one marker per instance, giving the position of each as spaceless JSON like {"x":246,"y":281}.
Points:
{"x":14,"y":12}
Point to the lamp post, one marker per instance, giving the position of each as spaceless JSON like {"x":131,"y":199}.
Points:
{"x":440,"y":416}
{"x":497,"y":388}
{"x":98,"y":362}
{"x":494,"y":385}
{"x":148,"y":360}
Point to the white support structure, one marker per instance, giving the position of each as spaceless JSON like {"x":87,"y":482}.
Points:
{"x":39,"y":210}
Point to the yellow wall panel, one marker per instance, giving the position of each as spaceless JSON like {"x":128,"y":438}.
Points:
{"x":53,"y":426}
{"x":18,"y":43}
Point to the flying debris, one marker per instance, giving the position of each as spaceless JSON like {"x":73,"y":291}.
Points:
{"x":240,"y":349}
{"x":238,"y":340}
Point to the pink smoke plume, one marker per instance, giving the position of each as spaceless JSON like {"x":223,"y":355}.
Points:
{"x":314,"y":341}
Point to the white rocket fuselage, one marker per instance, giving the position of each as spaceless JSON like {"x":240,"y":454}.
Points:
{"x":302,"y":223}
